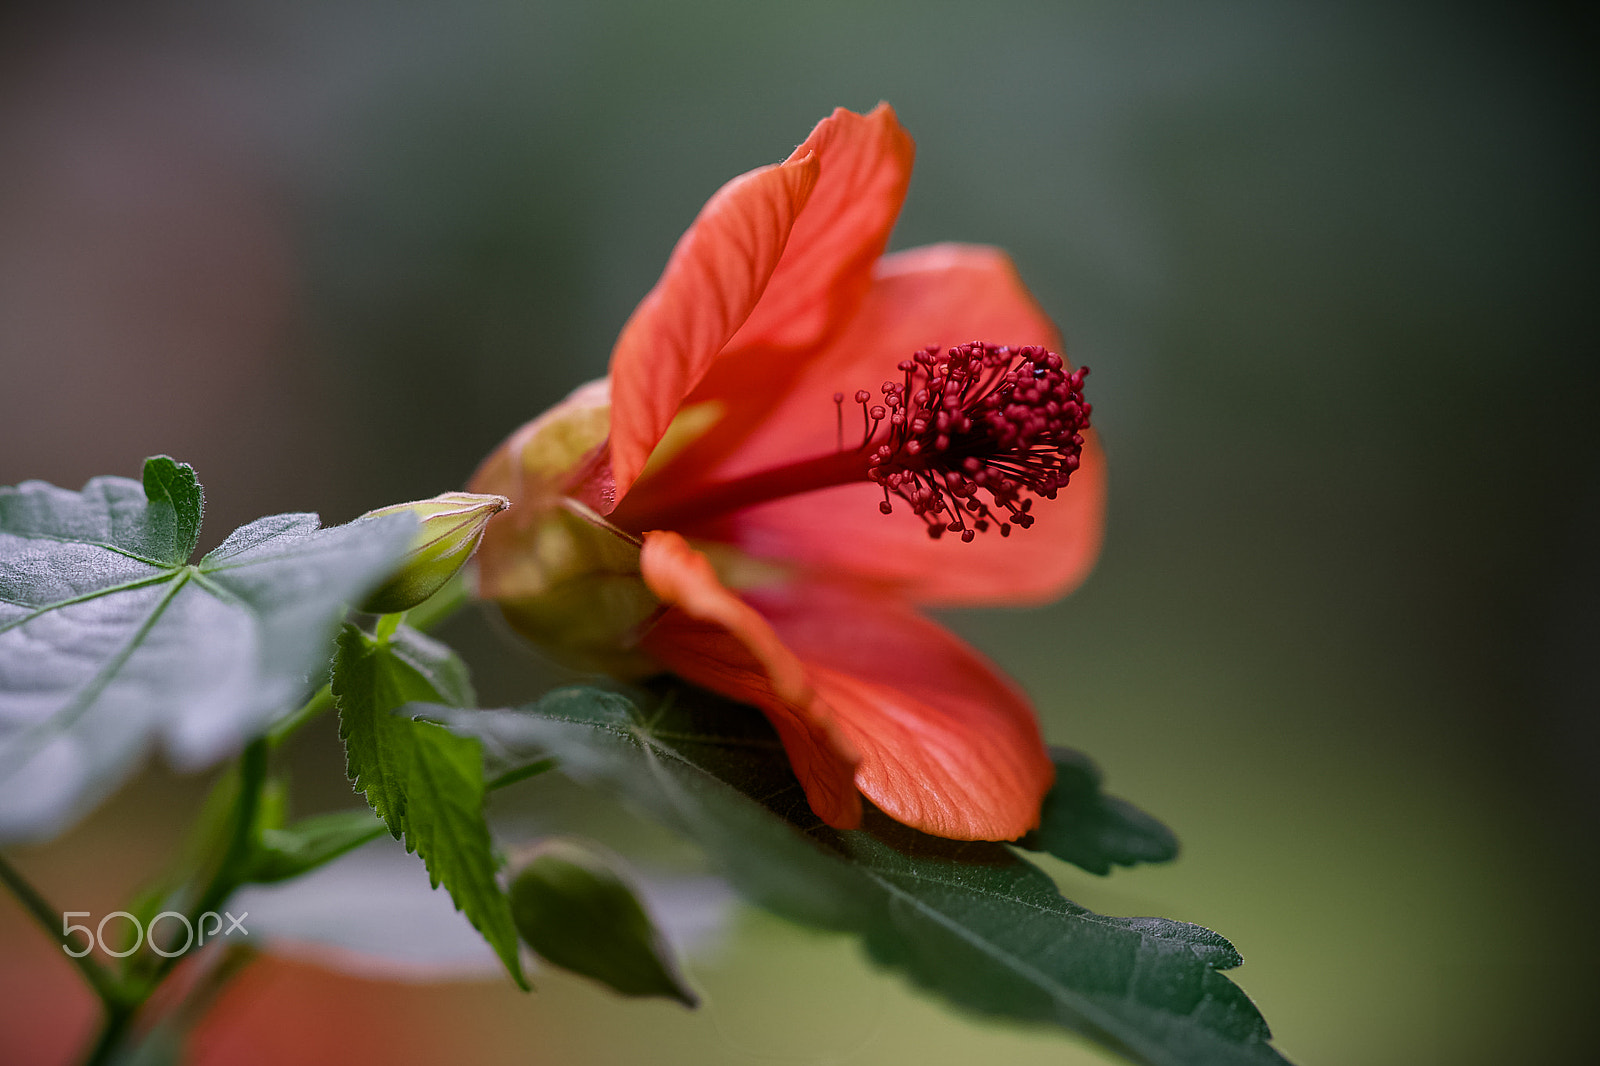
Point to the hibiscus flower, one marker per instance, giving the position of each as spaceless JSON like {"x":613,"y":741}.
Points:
{"x":800,"y":444}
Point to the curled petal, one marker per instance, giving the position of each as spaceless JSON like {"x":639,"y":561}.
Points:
{"x":714,"y":639}
{"x":717,"y":272}
{"x":683,"y":578}
{"x":865,"y":166}
{"x":826,"y":269}
{"x":946,"y":744}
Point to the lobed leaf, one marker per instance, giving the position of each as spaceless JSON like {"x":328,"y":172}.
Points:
{"x":112,"y":642}
{"x":974,"y":922}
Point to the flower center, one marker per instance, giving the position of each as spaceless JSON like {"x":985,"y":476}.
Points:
{"x":964,"y":438}
{"x":971,"y":431}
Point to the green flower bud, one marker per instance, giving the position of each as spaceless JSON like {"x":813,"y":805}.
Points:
{"x":451,"y":525}
{"x":574,"y":908}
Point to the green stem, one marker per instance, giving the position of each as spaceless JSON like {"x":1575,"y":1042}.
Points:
{"x":288,"y":726}
{"x":431,"y":612}
{"x":387,"y":625}
{"x":241,"y":845}
{"x":109,"y":1040}
{"x":234,"y":868}
{"x":521,"y":773}
{"x":231,"y":872}
{"x":105,"y":986}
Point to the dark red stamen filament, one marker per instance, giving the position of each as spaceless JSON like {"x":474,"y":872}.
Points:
{"x":969,"y":432}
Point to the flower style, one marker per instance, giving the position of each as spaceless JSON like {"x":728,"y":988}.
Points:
{"x":733,"y":504}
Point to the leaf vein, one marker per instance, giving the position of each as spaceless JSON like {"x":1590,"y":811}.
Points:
{"x":128,"y":586}
{"x":86,"y":696}
{"x":164,"y":564}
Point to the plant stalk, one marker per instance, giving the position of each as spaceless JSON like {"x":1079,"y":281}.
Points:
{"x":106,"y":986}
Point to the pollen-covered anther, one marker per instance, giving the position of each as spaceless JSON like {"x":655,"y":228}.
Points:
{"x":971,"y":430}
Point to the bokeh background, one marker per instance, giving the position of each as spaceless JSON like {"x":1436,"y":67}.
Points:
{"x":1333,"y":267}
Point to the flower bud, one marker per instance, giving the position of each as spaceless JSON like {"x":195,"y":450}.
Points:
{"x":572,"y":907}
{"x":561,"y":578}
{"x":451,"y":525}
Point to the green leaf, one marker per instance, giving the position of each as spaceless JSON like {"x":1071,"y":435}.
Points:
{"x":973,"y":922}
{"x":369,"y":682}
{"x":111,"y":642}
{"x":310,"y":843}
{"x":445,"y":825}
{"x":171,"y":487}
{"x":424,"y":781}
{"x":440,"y":669}
{"x":1090,"y":829}
{"x":574,"y":906}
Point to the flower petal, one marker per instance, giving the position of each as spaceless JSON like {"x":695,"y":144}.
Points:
{"x":865,"y":166}
{"x":943,"y":294}
{"x":714,"y":639}
{"x":717,"y":272}
{"x":947,"y":744}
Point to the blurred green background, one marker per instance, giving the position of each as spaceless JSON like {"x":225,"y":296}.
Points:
{"x":1333,"y":267}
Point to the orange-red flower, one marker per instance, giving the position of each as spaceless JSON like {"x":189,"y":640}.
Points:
{"x":747,"y":502}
